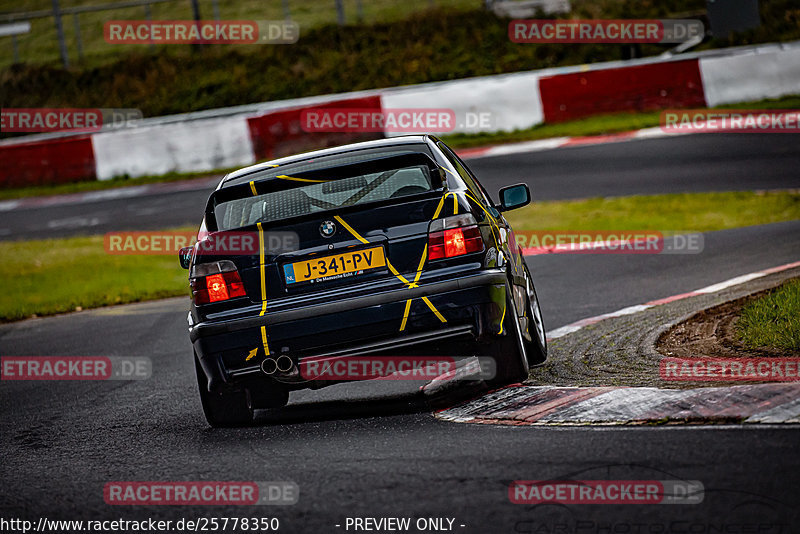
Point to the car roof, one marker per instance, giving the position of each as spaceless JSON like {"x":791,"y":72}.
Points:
{"x":378,"y":143}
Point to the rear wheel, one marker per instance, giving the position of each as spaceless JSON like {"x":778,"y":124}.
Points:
{"x":532,"y":328}
{"x":509,"y":351}
{"x":223,"y":409}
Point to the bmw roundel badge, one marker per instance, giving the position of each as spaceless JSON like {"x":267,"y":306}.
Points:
{"x":327,"y":229}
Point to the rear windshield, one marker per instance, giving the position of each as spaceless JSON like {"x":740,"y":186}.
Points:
{"x":308,"y":198}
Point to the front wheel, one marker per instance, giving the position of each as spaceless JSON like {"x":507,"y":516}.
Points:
{"x":223,"y":409}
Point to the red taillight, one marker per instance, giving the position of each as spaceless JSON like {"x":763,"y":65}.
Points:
{"x":454,"y":242}
{"x":217,"y":287}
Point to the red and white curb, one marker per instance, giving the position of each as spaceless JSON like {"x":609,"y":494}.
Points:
{"x":715,"y":288}
{"x":521,"y":405}
{"x":525,"y":405}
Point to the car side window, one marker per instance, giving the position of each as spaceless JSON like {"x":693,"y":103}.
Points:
{"x":472,"y":183}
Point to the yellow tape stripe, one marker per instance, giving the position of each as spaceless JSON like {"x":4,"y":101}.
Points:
{"x":494,"y":223}
{"x":421,"y":263}
{"x":492,"y":220}
{"x":361,"y":238}
{"x":264,"y":340}
{"x":439,"y":208}
{"x":426,"y":300}
{"x":433,"y":309}
{"x":295,"y":179}
{"x":481,"y":207}
{"x":261,"y":267}
{"x":350,"y":229}
{"x":263,"y":286}
{"x":253,"y":188}
{"x":397,"y":273}
{"x":405,"y":315}
{"x":491,"y":226}
{"x":441,"y":204}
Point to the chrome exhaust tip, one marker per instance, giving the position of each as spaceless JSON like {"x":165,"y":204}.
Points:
{"x":284,"y":363}
{"x":269,"y":366}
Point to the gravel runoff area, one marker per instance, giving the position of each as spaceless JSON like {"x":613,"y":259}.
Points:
{"x":608,"y":373}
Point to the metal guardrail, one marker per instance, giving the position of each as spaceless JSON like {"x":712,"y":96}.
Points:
{"x":17,"y":28}
{"x":58,"y":12}
{"x":30,"y":15}
{"x":12,"y":30}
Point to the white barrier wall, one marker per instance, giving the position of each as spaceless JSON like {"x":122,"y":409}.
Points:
{"x":193,"y":146}
{"x":741,"y":78}
{"x":215,"y":139}
{"x":486,"y":104}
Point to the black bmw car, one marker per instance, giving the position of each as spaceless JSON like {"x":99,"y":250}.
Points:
{"x":375,"y":248}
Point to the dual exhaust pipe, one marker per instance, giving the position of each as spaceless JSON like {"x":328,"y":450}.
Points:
{"x":282,"y":365}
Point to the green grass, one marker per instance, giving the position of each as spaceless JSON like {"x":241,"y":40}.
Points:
{"x":696,"y":212}
{"x":41,"y":44}
{"x":60,"y":275}
{"x":773,"y":320}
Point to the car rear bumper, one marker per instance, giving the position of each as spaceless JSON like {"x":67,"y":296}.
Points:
{"x":472,"y":306}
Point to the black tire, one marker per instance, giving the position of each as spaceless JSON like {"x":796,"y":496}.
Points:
{"x":536,"y":338}
{"x":508,"y":351}
{"x":223,"y":409}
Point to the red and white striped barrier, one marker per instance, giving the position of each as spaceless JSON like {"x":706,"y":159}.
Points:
{"x":236,"y":137}
{"x":674,"y":84}
{"x":761,"y":74}
{"x":55,"y":161}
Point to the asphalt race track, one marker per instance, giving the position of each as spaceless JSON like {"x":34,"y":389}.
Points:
{"x":691,"y":163}
{"x":374,"y":450}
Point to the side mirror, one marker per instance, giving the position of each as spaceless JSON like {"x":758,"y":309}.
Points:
{"x":185,"y":256}
{"x":514,"y":196}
